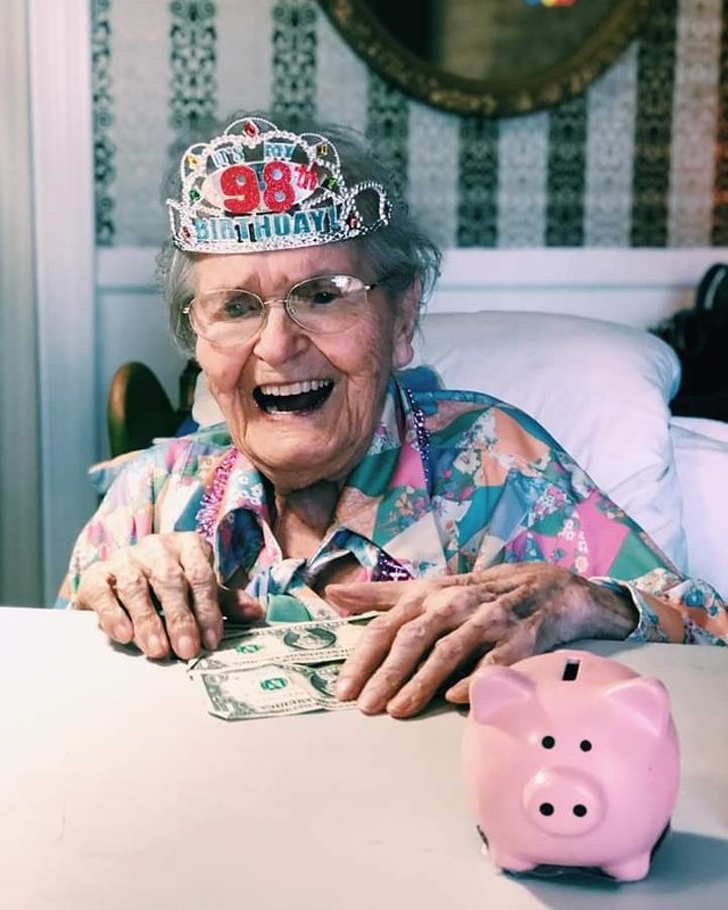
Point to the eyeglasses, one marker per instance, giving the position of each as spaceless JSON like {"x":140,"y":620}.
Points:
{"x":323,"y":304}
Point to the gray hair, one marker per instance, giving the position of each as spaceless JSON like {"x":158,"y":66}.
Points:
{"x":400,"y":252}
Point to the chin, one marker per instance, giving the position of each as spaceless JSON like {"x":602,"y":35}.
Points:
{"x":297,"y":464}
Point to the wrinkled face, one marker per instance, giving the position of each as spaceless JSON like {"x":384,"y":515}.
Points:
{"x":303,"y":406}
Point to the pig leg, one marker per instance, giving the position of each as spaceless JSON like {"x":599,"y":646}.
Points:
{"x":510,"y":863}
{"x":629,"y":870}
{"x":502,"y":859}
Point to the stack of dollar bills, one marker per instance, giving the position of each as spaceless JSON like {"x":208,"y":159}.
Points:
{"x":268,"y":671}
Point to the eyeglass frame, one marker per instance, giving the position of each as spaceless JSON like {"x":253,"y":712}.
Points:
{"x":284,"y":302}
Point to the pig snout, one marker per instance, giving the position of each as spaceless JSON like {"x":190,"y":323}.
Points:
{"x":564,"y":801}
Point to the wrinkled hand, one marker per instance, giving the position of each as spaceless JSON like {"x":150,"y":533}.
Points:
{"x":174,"y":569}
{"x":434,"y":630}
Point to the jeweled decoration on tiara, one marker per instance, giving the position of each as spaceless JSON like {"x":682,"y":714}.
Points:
{"x":257,"y":188}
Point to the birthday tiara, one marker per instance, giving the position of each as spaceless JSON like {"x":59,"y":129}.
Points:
{"x":257,"y":188}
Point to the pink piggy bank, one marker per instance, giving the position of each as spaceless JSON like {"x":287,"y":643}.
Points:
{"x":570,"y":760}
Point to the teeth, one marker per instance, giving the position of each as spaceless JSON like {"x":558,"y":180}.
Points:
{"x":295,"y":388}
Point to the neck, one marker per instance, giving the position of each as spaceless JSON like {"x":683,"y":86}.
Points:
{"x":303,"y":516}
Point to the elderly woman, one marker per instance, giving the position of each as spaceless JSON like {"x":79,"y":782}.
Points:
{"x":336,"y":486}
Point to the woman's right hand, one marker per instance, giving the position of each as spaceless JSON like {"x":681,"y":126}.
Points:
{"x":172,"y":572}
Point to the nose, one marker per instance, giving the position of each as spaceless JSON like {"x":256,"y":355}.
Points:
{"x":564,"y":801}
{"x":279,"y":338}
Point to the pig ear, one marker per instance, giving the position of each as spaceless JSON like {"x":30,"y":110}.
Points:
{"x":493,"y":686}
{"x":645,"y":697}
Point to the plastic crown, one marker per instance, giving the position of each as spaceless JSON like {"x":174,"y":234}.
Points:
{"x":257,"y":188}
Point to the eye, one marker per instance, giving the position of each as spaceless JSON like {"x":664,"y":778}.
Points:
{"x":325,"y":290}
{"x":585,"y":745}
{"x":237,"y":305}
{"x":548,"y":742}
{"x":319,"y":292}
{"x":322,"y":298}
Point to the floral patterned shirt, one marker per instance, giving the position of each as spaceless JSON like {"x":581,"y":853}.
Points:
{"x":452,"y":482}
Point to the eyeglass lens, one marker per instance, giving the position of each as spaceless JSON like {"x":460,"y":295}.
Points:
{"x":326,"y":303}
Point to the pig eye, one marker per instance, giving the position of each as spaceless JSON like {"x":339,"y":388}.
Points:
{"x":548,"y":742}
{"x":585,"y":745}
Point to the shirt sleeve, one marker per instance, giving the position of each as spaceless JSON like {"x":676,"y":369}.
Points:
{"x":573,"y":524}
{"x":155,"y":492}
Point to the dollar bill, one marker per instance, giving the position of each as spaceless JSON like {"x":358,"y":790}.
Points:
{"x":271,"y":690}
{"x":299,"y":643}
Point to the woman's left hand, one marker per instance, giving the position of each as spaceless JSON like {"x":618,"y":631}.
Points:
{"x":433,"y":630}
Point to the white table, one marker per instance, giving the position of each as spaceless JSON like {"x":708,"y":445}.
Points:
{"x":118,"y":790}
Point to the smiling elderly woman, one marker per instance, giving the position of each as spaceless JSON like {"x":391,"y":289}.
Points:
{"x":337,"y":485}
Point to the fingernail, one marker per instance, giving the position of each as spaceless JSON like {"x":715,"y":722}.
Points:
{"x":457,"y":693}
{"x":154,"y":645}
{"x":210,"y":639}
{"x":120,"y":632}
{"x":344,"y":688}
{"x":399,"y":705}
{"x":369,"y":703}
{"x":185,"y":646}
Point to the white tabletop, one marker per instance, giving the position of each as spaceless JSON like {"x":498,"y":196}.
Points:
{"x":118,"y":790}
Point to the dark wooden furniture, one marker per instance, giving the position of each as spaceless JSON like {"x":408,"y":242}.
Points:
{"x":138,"y":409}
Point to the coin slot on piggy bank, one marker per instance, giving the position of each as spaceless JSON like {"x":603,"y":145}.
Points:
{"x":571,"y":762}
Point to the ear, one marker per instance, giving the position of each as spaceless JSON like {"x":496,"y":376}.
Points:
{"x":493,"y":686}
{"x":646,"y":700}
{"x":404,"y":325}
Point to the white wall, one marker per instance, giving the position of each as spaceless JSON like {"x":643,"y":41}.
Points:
{"x":637,"y":287}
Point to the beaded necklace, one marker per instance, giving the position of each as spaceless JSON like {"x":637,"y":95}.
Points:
{"x":210,"y":506}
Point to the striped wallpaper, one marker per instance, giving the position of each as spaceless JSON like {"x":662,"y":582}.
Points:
{"x":636,"y":161}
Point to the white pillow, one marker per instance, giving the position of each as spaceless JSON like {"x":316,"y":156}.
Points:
{"x":701,"y":456}
{"x":600,"y":388}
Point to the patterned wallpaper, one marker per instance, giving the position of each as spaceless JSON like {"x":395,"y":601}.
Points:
{"x":634,"y":162}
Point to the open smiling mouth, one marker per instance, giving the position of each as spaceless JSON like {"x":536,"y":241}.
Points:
{"x":294,"y":396}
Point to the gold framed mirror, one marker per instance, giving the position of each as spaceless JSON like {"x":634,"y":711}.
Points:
{"x":493,"y":58}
